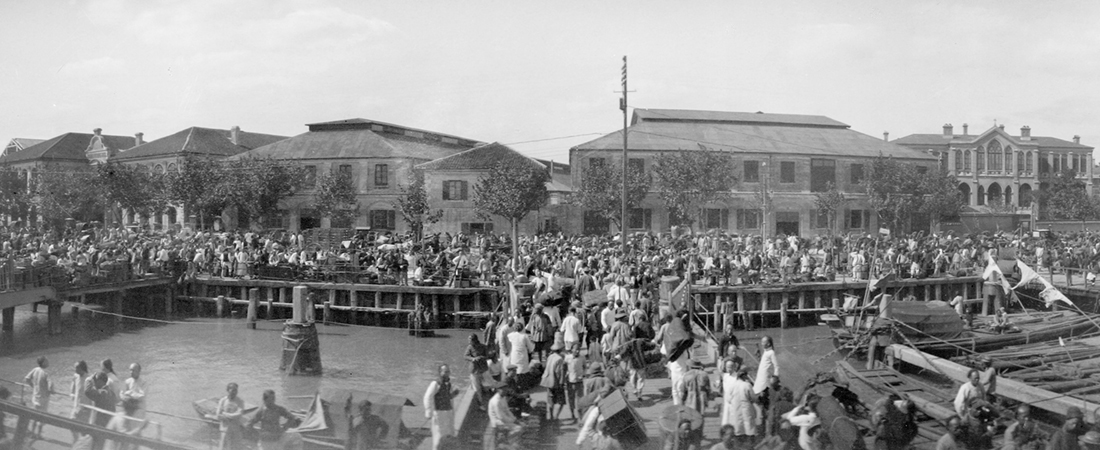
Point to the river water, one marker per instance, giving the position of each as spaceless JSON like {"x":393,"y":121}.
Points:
{"x":192,"y":359}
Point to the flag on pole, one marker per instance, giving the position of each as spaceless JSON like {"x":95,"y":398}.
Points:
{"x":1051,"y":294}
{"x":993,"y":273}
{"x":1026,"y":274}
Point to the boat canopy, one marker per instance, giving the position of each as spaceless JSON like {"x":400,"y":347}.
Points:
{"x":929,"y":320}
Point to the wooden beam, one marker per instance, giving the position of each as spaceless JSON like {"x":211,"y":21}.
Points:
{"x":1006,"y":387}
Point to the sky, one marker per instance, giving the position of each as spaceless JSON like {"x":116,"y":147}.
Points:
{"x":542,"y":76}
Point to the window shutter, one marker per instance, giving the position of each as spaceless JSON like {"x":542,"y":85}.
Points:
{"x":740,"y":219}
{"x":463,"y":197}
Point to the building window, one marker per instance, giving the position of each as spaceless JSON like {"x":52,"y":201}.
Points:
{"x":981,"y":158}
{"x":1027,"y":161}
{"x":958,"y":160}
{"x":922,"y":169}
{"x":858,"y":219}
{"x":381,"y":175}
{"x":477,"y":228}
{"x":752,"y":172}
{"x":786,"y":172}
{"x":172,"y":168}
{"x":311,"y":176}
{"x":1008,"y":159}
{"x":748,"y":219}
{"x":995,"y":154}
{"x":716,"y":218}
{"x":966,"y":161}
{"x":821,"y":219}
{"x":383,"y":219}
{"x":981,"y":195}
{"x":822,"y":174}
{"x":344,"y":170}
{"x":454,"y":190}
{"x":857,"y":173}
{"x":1020,"y":164}
{"x":639,"y":219}
{"x":594,"y":163}
{"x":158,"y":169}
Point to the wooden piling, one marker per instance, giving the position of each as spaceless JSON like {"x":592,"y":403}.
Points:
{"x":253,"y":305}
{"x":169,"y":301}
{"x":9,"y":319}
{"x":783,"y":310}
{"x":270,"y":304}
{"x":53,"y":316}
{"x":326,"y":317}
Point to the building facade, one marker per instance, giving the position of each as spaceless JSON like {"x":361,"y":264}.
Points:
{"x":789,"y":158}
{"x":379,"y":157}
{"x":999,"y":172}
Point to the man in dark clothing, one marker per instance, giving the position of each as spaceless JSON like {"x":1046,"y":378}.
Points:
{"x":541,"y":331}
{"x":1066,"y":437}
{"x":103,"y":397}
{"x":365,"y":430}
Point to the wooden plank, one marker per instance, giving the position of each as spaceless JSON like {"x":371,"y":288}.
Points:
{"x":1006,"y":387}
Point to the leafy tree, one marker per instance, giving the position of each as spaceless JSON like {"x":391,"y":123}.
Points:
{"x":1066,"y":198}
{"x":199,"y":187}
{"x":891,"y":188}
{"x":14,"y":200}
{"x":601,"y":191}
{"x":131,"y":187}
{"x":686,"y":181}
{"x":335,"y":198}
{"x":829,"y":202}
{"x":256,"y":185}
{"x":413,"y":205}
{"x":511,"y":189}
{"x":939,"y":197}
{"x":63,"y":192}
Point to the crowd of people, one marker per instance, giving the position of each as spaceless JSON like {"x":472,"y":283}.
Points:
{"x":81,"y":255}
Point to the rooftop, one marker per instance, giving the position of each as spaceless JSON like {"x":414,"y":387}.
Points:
{"x":362,"y":138}
{"x":201,"y":141}
{"x":66,"y":147}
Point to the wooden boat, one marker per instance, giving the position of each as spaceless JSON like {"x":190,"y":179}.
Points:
{"x":207,"y":408}
{"x":934,"y":327}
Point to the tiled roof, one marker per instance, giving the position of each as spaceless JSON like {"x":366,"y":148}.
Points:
{"x":197,"y":140}
{"x":939,"y":139}
{"x":758,"y":118}
{"x":775,"y":133}
{"x":482,"y":157}
{"x":389,"y":128}
{"x":66,"y":147}
{"x":25,"y":142}
{"x":354,"y":143}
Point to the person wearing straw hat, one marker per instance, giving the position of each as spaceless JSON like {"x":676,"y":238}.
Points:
{"x":1091,"y":440}
{"x":553,"y":379}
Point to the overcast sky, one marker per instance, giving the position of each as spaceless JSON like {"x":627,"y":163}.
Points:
{"x":523,"y":71}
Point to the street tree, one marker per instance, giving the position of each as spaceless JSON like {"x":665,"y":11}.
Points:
{"x":1066,"y":198}
{"x":122,"y":186}
{"x":830,"y":202}
{"x":200,"y":186}
{"x":686,"y":181}
{"x":14,"y":201}
{"x":939,"y":195}
{"x":255,"y":186}
{"x":64,"y":192}
{"x":336,"y":198}
{"x":413,"y":205}
{"x":601,"y":191}
{"x":891,"y":186}
{"x":511,"y":189}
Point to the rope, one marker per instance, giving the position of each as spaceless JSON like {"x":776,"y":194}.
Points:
{"x":144,"y":319}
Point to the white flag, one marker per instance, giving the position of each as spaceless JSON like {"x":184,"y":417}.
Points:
{"x":1026,"y":274}
{"x":1051,"y":294}
{"x":992,"y":268}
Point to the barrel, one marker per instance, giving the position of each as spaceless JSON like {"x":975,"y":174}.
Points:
{"x":301,"y":349}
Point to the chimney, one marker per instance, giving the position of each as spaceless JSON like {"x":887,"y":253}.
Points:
{"x":1076,"y":139}
{"x":97,"y":131}
{"x":1025,"y":133}
{"x":551,"y":168}
{"x":235,"y":135}
{"x":886,"y":136}
{"x":139,"y":138}
{"x":1001,"y":126}
{"x":948,"y":131}
{"x":965,"y":129}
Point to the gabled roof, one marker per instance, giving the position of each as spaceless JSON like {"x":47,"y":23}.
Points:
{"x":66,"y":147}
{"x":748,"y":133}
{"x":932,"y":139}
{"x":757,"y":118}
{"x":483,"y":157}
{"x":356,"y":143}
{"x":197,"y":140}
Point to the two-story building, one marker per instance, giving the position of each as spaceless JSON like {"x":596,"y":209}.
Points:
{"x":379,"y":157}
{"x":998,"y":172}
{"x":166,"y":154}
{"x":788,"y":158}
{"x":449,"y":182}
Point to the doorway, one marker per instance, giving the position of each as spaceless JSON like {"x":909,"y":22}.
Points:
{"x":786,"y":222}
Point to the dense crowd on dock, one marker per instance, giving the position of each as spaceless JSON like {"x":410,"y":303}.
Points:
{"x":86,"y":255}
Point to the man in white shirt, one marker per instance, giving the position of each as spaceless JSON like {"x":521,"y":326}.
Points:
{"x":135,"y":389}
{"x":968,"y":391}
{"x":571,"y":330}
{"x":607,"y":316}
{"x":501,"y":418}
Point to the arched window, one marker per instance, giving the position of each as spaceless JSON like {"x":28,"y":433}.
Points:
{"x":964,"y":193}
{"x":1008,"y":195}
{"x":1020,"y":161}
{"x":981,"y":159}
{"x":1008,"y":159}
{"x":1025,"y":195}
{"x":158,"y":169}
{"x":994,"y":155}
{"x":981,"y":195}
{"x":1028,"y":161}
{"x":171,"y":167}
{"x":958,"y":160}
{"x":966,"y":160}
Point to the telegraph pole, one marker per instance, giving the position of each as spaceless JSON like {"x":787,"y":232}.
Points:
{"x":623,"y":218}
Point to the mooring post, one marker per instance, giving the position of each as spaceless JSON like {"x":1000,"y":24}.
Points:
{"x":783,"y":310}
{"x":9,"y":319}
{"x":270,"y":304}
{"x":53,"y":316}
{"x":301,"y":348}
{"x":169,"y":300}
{"x":219,"y":302}
{"x":326,"y":317}
{"x":253,"y":305}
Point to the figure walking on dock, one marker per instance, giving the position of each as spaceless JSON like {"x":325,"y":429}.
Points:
{"x":438,"y":407}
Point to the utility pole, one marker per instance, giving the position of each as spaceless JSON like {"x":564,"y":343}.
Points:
{"x":623,"y":218}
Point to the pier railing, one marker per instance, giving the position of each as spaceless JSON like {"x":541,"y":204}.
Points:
{"x":26,"y":415}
